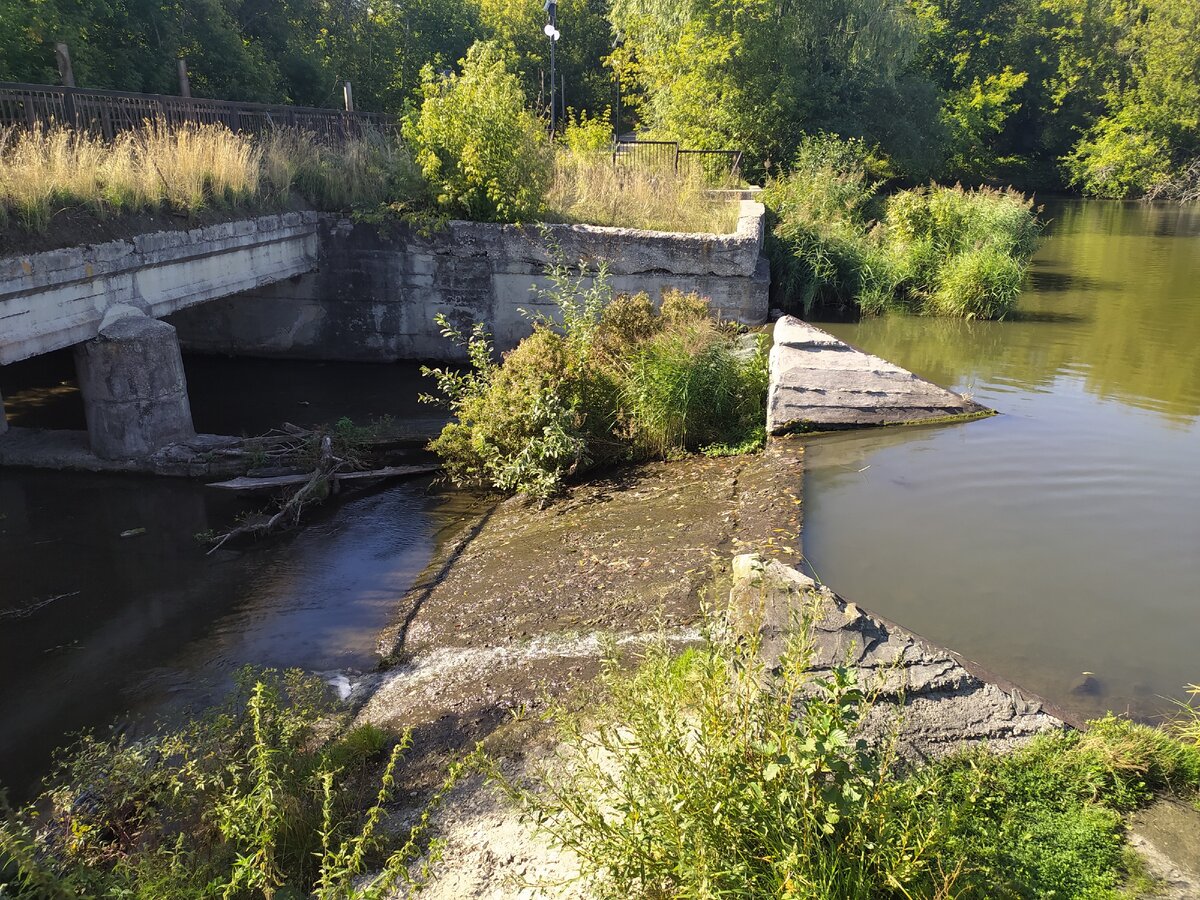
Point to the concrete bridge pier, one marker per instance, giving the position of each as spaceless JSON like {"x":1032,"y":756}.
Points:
{"x":134,"y":388}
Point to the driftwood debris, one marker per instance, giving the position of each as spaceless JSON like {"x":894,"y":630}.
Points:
{"x":246,"y":485}
{"x":317,"y":486}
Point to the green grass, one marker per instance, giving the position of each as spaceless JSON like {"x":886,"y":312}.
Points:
{"x":709,"y":775}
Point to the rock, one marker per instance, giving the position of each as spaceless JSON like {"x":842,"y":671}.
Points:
{"x":1087,"y":685}
{"x":944,"y":702}
{"x":819,"y":382}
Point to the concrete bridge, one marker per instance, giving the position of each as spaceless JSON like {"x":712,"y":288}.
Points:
{"x":106,"y":300}
{"x":309,"y":286}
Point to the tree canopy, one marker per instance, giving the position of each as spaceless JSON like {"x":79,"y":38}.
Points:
{"x":1099,"y":95}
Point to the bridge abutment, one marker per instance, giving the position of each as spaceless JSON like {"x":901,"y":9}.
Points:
{"x":134,"y":388}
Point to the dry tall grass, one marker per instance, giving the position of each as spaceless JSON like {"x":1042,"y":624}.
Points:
{"x":589,"y":188}
{"x":186,"y":169}
{"x":191,"y":169}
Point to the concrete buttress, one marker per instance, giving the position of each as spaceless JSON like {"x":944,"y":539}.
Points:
{"x":134,"y":388}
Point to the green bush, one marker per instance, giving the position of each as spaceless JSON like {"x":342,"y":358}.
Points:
{"x":248,"y":800}
{"x":486,"y":156}
{"x":607,"y":381}
{"x":837,"y":243}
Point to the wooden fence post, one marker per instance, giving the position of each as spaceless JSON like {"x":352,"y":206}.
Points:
{"x":348,"y":93}
{"x":185,"y":86}
{"x":62,"y":55}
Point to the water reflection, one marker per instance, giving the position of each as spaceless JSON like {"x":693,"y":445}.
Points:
{"x":1113,"y":299}
{"x":1059,"y":537}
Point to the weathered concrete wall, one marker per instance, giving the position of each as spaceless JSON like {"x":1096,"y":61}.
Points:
{"x":819,"y":383}
{"x":53,"y":300}
{"x":376,"y":292}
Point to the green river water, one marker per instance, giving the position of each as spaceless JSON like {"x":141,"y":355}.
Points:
{"x":1061,"y":537}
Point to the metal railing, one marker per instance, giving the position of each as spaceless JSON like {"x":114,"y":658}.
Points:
{"x":667,"y":155}
{"x":107,"y":113}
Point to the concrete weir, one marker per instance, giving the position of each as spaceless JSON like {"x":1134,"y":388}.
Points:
{"x":820,"y":383}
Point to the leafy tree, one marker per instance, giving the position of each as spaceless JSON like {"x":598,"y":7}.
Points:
{"x":516,"y":26}
{"x":485,"y":154}
{"x":1151,"y":131}
{"x":757,"y":74}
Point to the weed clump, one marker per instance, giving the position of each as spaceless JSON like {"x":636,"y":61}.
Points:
{"x":604,"y":381}
{"x":252,"y":799}
{"x":837,"y":241}
{"x":712,"y":773}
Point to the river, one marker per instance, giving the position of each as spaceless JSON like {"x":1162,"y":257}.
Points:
{"x":1061,"y":537}
{"x":96,"y":627}
{"x":1057,"y":538}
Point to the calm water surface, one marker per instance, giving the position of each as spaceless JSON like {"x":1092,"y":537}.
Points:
{"x":1063,"y":536}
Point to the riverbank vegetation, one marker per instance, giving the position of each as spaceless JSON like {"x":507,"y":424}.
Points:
{"x":713,"y":774}
{"x":601,"y":381}
{"x":269,"y":795}
{"x":838,"y":241}
{"x":696,"y":774}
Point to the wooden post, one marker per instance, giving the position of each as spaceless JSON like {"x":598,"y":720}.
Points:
{"x":185,"y":86}
{"x":62,"y":56}
{"x":348,"y":93}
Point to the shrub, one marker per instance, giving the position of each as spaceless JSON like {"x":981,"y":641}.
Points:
{"x":835,"y":243}
{"x":586,"y":134}
{"x":486,"y":156}
{"x":246,"y":800}
{"x":606,"y":381}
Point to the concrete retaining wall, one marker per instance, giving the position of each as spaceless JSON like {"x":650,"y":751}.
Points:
{"x":62,"y":297}
{"x":376,"y":291}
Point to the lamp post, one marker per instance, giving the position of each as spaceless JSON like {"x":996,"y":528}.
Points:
{"x":552,"y":32}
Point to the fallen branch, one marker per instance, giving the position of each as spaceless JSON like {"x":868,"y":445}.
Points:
{"x":316,"y":487}
{"x":245,"y":484}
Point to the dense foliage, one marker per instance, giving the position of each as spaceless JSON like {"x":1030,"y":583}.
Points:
{"x":837,"y":241}
{"x":603,"y":380}
{"x":263,"y":796}
{"x":1100,"y":95}
{"x":484,"y":153}
{"x":711,"y":774}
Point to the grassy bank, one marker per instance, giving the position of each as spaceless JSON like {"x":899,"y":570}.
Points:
{"x":708,"y":774}
{"x":197,"y":170}
{"x":699,"y":774}
{"x":840,"y":242}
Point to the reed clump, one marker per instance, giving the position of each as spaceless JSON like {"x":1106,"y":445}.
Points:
{"x":838,"y":241}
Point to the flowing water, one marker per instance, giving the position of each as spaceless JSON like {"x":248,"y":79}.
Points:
{"x":95,"y":626}
{"x":1055,"y":539}
{"x":1059,"y":542}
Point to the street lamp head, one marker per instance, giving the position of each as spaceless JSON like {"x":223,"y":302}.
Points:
{"x":551,"y":32}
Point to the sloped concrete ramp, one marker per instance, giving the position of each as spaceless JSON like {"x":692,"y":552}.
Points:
{"x":821,"y":383}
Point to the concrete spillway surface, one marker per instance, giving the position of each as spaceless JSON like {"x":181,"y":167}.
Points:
{"x":819,"y":382}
